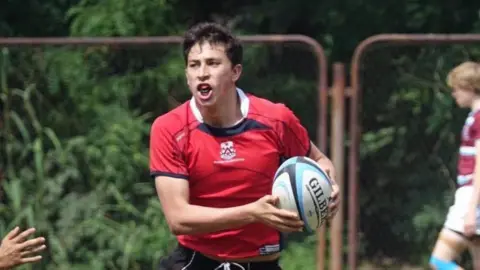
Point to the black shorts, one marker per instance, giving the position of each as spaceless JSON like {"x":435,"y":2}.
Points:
{"x":183,"y":258}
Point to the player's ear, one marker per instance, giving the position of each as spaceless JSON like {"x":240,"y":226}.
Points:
{"x":237,"y":71}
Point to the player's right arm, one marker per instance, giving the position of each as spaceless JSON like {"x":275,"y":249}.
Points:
{"x":184,"y":218}
{"x":171,"y":182}
{"x":187,"y":219}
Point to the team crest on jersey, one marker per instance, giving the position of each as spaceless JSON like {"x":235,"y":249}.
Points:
{"x":227,"y":150}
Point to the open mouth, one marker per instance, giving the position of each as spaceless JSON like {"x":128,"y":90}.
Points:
{"x":204,"y":89}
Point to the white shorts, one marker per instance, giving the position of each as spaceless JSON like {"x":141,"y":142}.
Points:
{"x":458,"y":211}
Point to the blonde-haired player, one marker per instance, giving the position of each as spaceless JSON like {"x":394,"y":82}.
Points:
{"x":462,"y":227}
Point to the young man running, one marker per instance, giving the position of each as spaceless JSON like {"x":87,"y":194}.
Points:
{"x":214,"y":157}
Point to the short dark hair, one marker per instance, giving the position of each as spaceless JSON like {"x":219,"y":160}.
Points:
{"x":213,"y":33}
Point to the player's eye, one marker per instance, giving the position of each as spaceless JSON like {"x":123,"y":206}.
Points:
{"x":213,"y":63}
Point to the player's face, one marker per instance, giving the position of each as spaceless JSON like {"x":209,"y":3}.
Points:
{"x":210,"y":73}
{"x":463,"y":97}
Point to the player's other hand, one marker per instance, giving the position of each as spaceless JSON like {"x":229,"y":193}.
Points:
{"x":16,"y":249}
{"x":334,"y":201}
{"x":265,"y":211}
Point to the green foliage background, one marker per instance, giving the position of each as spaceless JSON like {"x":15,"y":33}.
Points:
{"x":75,"y":120}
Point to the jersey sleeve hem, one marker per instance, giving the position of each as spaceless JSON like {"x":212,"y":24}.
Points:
{"x":154,"y":174}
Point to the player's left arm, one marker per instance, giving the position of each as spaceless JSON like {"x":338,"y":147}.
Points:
{"x":297,"y":143}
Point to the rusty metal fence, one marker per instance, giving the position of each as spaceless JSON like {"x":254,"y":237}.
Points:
{"x":315,"y":47}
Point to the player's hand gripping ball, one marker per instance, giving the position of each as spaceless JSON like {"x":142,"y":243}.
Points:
{"x":304,"y":188}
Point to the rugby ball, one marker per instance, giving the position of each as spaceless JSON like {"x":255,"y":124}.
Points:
{"x":303,"y":187}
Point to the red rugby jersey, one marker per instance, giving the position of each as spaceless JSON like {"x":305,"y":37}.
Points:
{"x":467,"y":153}
{"x":228,"y":167}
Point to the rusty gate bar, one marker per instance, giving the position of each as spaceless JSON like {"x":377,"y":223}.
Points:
{"x":317,"y":49}
{"x":355,"y":111}
{"x":337,"y":139}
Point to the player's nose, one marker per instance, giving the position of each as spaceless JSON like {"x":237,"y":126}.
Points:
{"x":204,"y":73}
